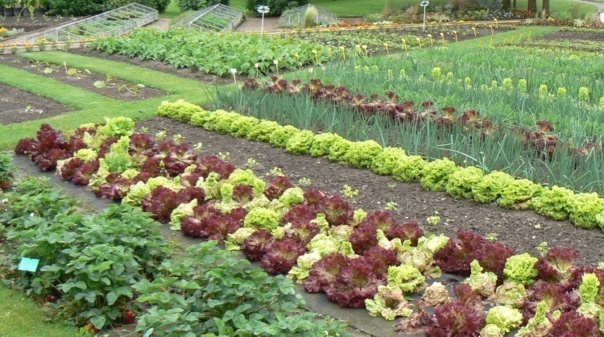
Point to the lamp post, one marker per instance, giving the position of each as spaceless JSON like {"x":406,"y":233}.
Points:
{"x":262,"y":10}
{"x":424,"y":3}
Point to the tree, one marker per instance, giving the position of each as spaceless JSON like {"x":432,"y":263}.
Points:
{"x":545,"y":6}
{"x":532,"y":5}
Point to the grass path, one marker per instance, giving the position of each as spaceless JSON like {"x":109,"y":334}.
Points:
{"x":22,"y":317}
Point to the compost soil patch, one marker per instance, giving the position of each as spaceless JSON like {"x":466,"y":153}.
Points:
{"x":18,"y":106}
{"x":82,"y":78}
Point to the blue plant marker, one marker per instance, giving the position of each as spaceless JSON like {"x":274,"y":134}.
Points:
{"x":27,"y":264}
{"x":148,"y":332}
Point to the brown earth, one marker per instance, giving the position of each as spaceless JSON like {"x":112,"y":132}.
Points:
{"x":18,"y":106}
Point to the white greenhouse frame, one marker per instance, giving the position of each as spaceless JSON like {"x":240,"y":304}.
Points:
{"x":117,"y":21}
{"x":294,"y":17}
{"x":218,"y":18}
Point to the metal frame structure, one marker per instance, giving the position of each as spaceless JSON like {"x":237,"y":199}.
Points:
{"x":117,"y":21}
{"x":294,"y":17}
{"x":218,"y":18}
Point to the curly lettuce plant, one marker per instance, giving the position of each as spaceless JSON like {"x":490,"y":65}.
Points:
{"x":586,"y":210}
{"x":518,"y":194}
{"x":338,"y":149}
{"x":521,"y":269}
{"x":361,"y":154}
{"x":179,"y":110}
{"x":300,"y":143}
{"x":409,"y":169}
{"x":387,"y":160}
{"x":490,"y":187}
{"x":461,"y":182}
{"x":554,"y":202}
{"x":281,"y":135}
{"x":322,"y":143}
{"x":436,"y":174}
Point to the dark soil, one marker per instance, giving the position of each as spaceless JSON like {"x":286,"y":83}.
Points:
{"x":114,"y":88}
{"x":522,"y":230}
{"x":18,"y":106}
{"x":572,"y":35}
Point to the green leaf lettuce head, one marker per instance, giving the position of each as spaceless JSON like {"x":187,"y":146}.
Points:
{"x":506,"y":318}
{"x":247,"y":177}
{"x":235,"y":240}
{"x":409,"y":169}
{"x":338,"y":149}
{"x":361,"y":154}
{"x":301,"y":270}
{"x":491,"y":186}
{"x":292,"y":196}
{"x":117,"y":127}
{"x":554,"y":202}
{"x":521,"y":268}
{"x":518,"y":194}
{"x":389,"y":303}
{"x":140,"y":190}
{"x":405,"y":277}
{"x":180,"y":212}
{"x":586,"y":209}
{"x":483,"y":283}
{"x":462,"y":181}
{"x":322,"y":143}
{"x":387,"y":160}
{"x":436,"y":174}
{"x":511,"y":294}
{"x":259,"y":218}
{"x":537,"y":326}
{"x":491,"y":330}
{"x":179,"y":110}
{"x":86,"y":154}
{"x":281,"y":135}
{"x":300,"y":143}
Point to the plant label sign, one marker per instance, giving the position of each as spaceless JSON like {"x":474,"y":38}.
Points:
{"x":262,"y":9}
{"x":27,"y":264}
{"x":424,"y":3}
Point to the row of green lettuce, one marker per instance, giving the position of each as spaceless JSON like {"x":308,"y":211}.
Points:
{"x":585,"y":210}
{"x":99,"y":271}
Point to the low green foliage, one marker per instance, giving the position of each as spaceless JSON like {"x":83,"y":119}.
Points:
{"x":212,"y":292}
{"x":216,"y":53}
{"x":436,"y":174}
{"x":361,"y":154}
{"x":87,"y":263}
{"x":6,"y":169}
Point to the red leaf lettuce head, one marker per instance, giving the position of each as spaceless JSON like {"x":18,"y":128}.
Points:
{"x":238,"y":214}
{"x":556,"y":265}
{"x":115,"y":187}
{"x":456,"y":319}
{"x":255,"y":246}
{"x":465,"y":294}
{"x":492,"y":257}
{"x":219,"y":226}
{"x":187,"y":195}
{"x":300,"y":213}
{"x":456,"y":255}
{"x":303,"y":231}
{"x":27,"y":146}
{"x":337,"y":210}
{"x":381,"y":219}
{"x":575,"y":325}
{"x":213,"y":163}
{"x":161,"y":202}
{"x":381,"y":258}
{"x":314,"y":198}
{"x":363,"y":238}
{"x":275,"y":186}
{"x":197,"y":225}
{"x":243,"y":193}
{"x":553,"y":294}
{"x":142,"y":144}
{"x":281,"y":255}
{"x":355,"y":283}
{"x":322,"y":275}
{"x":407,"y":231}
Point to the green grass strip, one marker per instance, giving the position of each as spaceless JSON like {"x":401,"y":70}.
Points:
{"x":21,"y":317}
{"x":51,"y":88}
{"x":128,"y":72}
